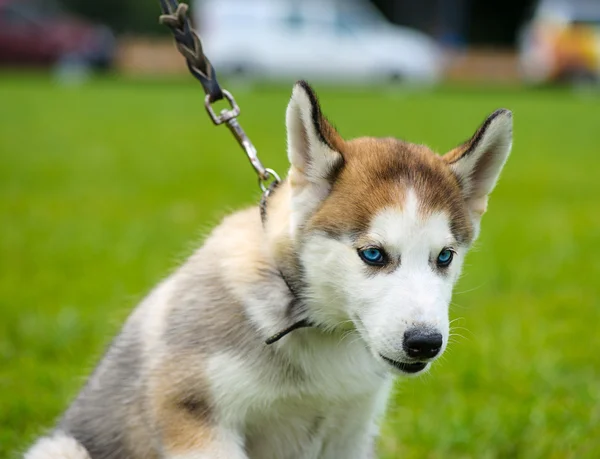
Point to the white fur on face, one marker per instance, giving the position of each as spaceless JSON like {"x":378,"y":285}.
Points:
{"x":383,"y":304}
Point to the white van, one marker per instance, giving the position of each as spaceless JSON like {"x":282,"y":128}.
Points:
{"x":346,"y":40}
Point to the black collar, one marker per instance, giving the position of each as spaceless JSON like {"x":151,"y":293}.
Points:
{"x":295,"y":303}
{"x":304,"y":323}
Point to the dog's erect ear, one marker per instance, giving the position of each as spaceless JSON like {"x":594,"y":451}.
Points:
{"x":314,"y":151}
{"x":478,"y":162}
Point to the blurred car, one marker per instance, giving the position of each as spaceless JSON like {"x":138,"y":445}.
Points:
{"x":323,"y":39}
{"x":39,"y":33}
{"x":562,"y":42}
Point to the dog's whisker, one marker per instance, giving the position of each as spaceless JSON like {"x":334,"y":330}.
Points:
{"x":456,"y":319}
{"x":472,"y":289}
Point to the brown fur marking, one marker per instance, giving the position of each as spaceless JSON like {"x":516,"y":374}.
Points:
{"x":377,"y":173}
{"x":181,"y":408}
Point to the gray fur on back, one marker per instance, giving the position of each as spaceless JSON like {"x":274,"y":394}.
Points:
{"x":98,"y":416}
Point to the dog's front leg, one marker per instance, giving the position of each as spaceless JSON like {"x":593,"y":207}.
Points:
{"x":361,"y":445}
{"x":357,"y":427}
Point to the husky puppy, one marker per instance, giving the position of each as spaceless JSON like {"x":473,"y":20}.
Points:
{"x":348,"y":274}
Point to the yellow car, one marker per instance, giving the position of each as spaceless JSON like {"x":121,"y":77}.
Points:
{"x":562,"y":42}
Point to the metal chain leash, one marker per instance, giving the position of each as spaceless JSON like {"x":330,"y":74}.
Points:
{"x":175,"y":16}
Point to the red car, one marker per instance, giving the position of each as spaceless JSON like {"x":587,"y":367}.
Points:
{"x":38,"y":33}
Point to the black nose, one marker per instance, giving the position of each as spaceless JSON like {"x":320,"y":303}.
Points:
{"x":422,"y":343}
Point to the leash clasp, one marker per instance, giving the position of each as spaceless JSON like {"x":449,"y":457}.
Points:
{"x":229,"y":117}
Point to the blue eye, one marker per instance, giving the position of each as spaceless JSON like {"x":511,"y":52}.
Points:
{"x":445,"y":258}
{"x":372,"y":256}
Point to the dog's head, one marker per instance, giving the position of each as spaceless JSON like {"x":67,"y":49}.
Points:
{"x":382,"y":227}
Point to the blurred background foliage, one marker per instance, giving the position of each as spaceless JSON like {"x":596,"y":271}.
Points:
{"x":131,"y":16}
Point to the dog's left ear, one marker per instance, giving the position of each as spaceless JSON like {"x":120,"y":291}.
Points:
{"x":478,"y":162}
{"x":314,"y":151}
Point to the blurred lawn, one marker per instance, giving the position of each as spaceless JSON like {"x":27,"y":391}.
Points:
{"x":106,"y":187}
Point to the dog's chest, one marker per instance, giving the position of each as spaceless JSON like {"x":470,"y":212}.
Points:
{"x":306,"y":429}
{"x":307,"y":406}
{"x":332,"y":367}
{"x":288,"y":430}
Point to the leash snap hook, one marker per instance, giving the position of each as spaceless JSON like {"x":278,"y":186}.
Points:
{"x":229,"y":117}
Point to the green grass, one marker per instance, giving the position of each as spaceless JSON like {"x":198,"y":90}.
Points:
{"x":106,"y":187}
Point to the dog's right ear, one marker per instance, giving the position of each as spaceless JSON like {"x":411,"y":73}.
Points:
{"x":478,"y":162}
{"x":313,"y":150}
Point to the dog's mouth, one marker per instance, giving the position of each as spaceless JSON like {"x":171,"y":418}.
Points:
{"x":404,"y":367}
